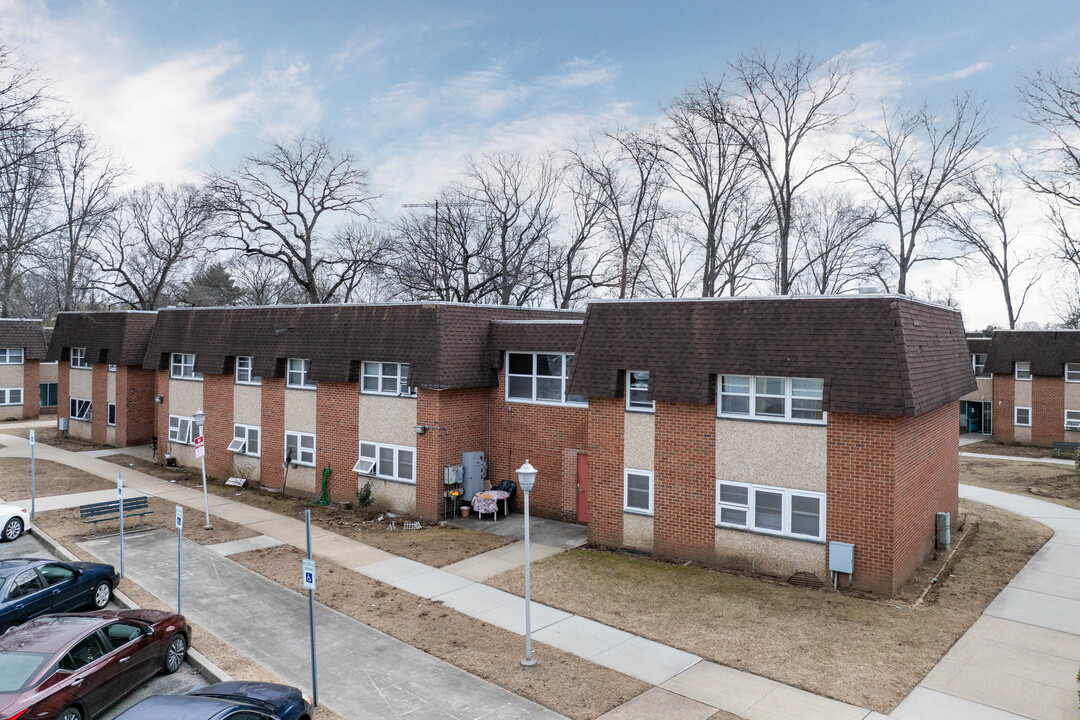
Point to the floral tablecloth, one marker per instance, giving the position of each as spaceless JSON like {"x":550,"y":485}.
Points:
{"x":488,"y":501}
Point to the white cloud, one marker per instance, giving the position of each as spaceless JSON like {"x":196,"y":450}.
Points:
{"x":963,"y":72}
{"x":581,"y":73}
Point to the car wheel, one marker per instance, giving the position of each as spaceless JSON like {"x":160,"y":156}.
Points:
{"x":12,"y":530}
{"x":102,"y":594}
{"x":71,"y":713}
{"x":174,"y":656}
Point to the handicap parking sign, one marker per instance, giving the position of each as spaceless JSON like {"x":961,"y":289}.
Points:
{"x":309,"y":574}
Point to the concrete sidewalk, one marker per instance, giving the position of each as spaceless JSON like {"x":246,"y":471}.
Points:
{"x":1020,"y":659}
{"x":362,"y":672}
{"x":1047,"y":461}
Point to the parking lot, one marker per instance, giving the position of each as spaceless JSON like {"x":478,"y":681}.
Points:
{"x":185,"y":679}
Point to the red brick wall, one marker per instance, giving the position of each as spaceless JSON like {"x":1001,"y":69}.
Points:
{"x":860,"y":482}
{"x":31,"y":388}
{"x":927,"y":482}
{"x":685,"y":481}
{"x":1004,"y":392}
{"x":135,"y":406}
{"x":99,"y":424}
{"x":63,"y":394}
{"x":336,"y":438}
{"x":457,"y":422}
{"x":218,"y":405}
{"x":605,"y":449}
{"x":429,"y":454}
{"x":272,"y":427}
{"x":1047,"y":410}
{"x":161,"y":413}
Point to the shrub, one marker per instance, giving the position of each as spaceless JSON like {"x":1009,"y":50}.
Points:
{"x":363,"y":496}
{"x":1077,"y":458}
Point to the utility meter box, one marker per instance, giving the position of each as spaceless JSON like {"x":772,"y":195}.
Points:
{"x":842,"y":557}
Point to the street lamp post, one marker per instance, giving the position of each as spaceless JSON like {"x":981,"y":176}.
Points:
{"x":526,"y":477}
{"x":200,"y":419}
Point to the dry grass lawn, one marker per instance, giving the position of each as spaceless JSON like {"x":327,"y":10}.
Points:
{"x":991,"y":447}
{"x":435,"y":545}
{"x":865,"y":650}
{"x":50,"y":478}
{"x":1056,"y":483}
{"x":52,"y":436}
{"x":560,"y":681}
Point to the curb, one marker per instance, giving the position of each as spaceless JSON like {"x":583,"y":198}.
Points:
{"x":196,"y":659}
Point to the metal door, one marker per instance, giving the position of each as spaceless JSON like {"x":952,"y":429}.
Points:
{"x":582,"y":488}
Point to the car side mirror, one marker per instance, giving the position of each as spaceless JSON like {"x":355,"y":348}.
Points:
{"x":149,"y":631}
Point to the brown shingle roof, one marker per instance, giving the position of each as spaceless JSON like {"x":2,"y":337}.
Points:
{"x":978,"y":344}
{"x":116,"y":338}
{"x":26,"y":334}
{"x":878,"y":355}
{"x":1046,"y":350}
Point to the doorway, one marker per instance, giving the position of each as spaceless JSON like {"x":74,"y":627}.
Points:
{"x":977,"y":417}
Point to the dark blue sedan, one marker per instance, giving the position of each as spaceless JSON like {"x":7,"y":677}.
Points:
{"x":30,"y":587}
{"x":229,"y":700}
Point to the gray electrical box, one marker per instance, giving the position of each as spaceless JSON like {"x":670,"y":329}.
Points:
{"x":474,"y":471}
{"x":841,"y":557}
{"x":62,"y":424}
{"x":943,"y":536}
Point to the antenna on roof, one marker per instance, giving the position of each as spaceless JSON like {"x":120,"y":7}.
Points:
{"x":437,"y":204}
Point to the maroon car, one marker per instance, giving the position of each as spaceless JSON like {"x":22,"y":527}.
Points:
{"x":73,"y":666}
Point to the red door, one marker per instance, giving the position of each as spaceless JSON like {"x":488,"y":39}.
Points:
{"x":582,"y":488}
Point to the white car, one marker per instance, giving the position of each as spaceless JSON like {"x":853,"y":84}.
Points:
{"x":14,"y":521}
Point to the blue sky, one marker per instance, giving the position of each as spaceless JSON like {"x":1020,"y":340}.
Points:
{"x":414,"y":87}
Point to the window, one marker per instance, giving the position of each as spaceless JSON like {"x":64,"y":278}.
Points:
{"x":121,"y":633}
{"x":771,"y":398}
{"x":25,"y":583}
{"x":181,"y":430}
{"x":1023,"y":371}
{"x":298,"y":374}
{"x":389,"y":462}
{"x":183,"y":367}
{"x":11,"y":356}
{"x":112,"y":413}
{"x":80,"y":410}
{"x":54,"y":574}
{"x":78,"y":358}
{"x":380,"y":378}
{"x":300,"y":448}
{"x":638,"y":491}
{"x":637,"y":391}
{"x":85,"y":652}
{"x":540,"y":377}
{"x":1072,"y":419}
{"x":1072,"y":372}
{"x":10,"y":396}
{"x":777,"y":511}
{"x":245,"y":440}
{"x":1022,"y":416}
{"x":48,"y":393}
{"x":244,"y":369}
{"x":978,"y":364}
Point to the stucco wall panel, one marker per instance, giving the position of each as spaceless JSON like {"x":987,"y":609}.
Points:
{"x":639,"y":442}
{"x":770,"y":555}
{"x":110,"y":387}
{"x":247,"y":405}
{"x":387,"y":495}
{"x":81,"y":383}
{"x":185,"y":397}
{"x":637,"y":531}
{"x":389,"y":420}
{"x":300,"y":410}
{"x":247,"y":466}
{"x":1022,"y":434}
{"x":11,"y":376}
{"x":1022,"y":394}
{"x":10,"y":412}
{"x":79,"y":428}
{"x":779,"y":454}
{"x":49,"y":372}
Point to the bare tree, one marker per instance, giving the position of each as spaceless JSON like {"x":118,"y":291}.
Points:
{"x":776,"y":107}
{"x":262,"y":281}
{"x":25,"y":116}
{"x":575,"y":262}
{"x":280,"y":203}
{"x":365,"y":249}
{"x":913,"y":164}
{"x":148,"y":240}
{"x":981,"y":225}
{"x":26,"y":218}
{"x":671,"y":269}
{"x":836,"y":235}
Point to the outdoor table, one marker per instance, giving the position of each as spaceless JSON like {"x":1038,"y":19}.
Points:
{"x":488,"y":502}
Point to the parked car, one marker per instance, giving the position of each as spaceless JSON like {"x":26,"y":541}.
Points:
{"x":247,"y":700}
{"x":30,"y":587}
{"x":14,"y":521}
{"x":74,"y":666}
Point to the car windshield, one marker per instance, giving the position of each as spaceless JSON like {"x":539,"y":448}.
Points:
{"x":18,"y":668}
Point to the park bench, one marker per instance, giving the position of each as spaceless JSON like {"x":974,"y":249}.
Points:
{"x":98,"y":512}
{"x":1065,"y":449}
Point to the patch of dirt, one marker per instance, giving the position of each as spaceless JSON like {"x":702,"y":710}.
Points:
{"x":560,"y":681}
{"x":436,"y":545}
{"x":991,"y":447}
{"x":52,"y":436}
{"x":865,"y":650}
{"x":1056,"y":483}
{"x":50,"y":478}
{"x":67,"y":528}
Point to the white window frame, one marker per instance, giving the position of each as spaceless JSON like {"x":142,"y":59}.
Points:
{"x":370,"y":461}
{"x":6,"y":355}
{"x":6,"y":393}
{"x":638,"y":404}
{"x":83,"y":413}
{"x":976,"y":367}
{"x":110,"y":417}
{"x":375,"y":372}
{"x":1016,"y":416}
{"x":788,"y":396}
{"x":751,"y":509}
{"x":183,"y":368}
{"x":302,"y":371}
{"x":1074,"y":422}
{"x":78,"y":359}
{"x":1074,"y":371}
{"x":112,"y":367}
{"x":242,"y":434}
{"x":1016,"y":371}
{"x":651,"y":475}
{"x":251,"y":377}
{"x":567,"y":360}
{"x":177,"y":426}
{"x":302,"y":452}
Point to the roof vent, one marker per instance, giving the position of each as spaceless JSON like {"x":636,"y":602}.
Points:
{"x":868,"y":290}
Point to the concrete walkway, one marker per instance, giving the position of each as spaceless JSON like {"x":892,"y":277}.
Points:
{"x":1020,"y":659}
{"x":547,"y":538}
{"x":1048,"y":461}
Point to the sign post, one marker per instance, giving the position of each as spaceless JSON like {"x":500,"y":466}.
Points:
{"x":200,"y":452}
{"x":308,"y":567}
{"x":33,"y":493}
{"x":120,"y":500}
{"x":179,"y":555}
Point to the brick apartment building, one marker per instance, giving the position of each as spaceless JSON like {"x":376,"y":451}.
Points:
{"x":22,"y":348}
{"x":735,"y":432}
{"x":1028,"y":387}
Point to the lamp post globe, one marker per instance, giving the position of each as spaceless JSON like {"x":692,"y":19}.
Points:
{"x":526,"y":476}
{"x":200,"y":418}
